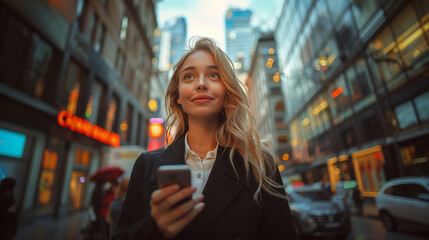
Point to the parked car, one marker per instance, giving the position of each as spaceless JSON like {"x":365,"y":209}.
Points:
{"x":404,"y":200}
{"x":315,"y":215}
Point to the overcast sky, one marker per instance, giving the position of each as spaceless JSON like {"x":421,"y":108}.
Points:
{"x":207,"y":18}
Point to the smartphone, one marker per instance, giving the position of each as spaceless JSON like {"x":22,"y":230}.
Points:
{"x":174,"y":174}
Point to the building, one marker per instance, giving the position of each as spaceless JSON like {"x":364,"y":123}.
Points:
{"x":75,"y":77}
{"x":355,"y":80}
{"x":266,"y":96}
{"x":178,"y":33}
{"x":241,"y":38}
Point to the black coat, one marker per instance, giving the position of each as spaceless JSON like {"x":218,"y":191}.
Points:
{"x":230,"y":211}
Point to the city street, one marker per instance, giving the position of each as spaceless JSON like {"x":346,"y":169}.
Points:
{"x":368,"y":227}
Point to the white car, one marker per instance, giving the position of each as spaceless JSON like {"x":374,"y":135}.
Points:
{"x":404,"y":200}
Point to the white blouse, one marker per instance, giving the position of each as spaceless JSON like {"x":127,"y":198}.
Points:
{"x":200,"y":168}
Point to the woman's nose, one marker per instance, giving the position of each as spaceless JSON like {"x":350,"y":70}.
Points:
{"x":202,"y":83}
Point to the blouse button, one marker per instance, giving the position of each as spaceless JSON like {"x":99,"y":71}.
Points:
{"x":199,"y":175}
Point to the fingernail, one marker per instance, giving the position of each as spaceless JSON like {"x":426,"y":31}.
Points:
{"x":200,"y":206}
{"x":199,"y":197}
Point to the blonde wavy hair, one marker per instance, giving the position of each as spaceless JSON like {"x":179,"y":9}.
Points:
{"x":236,"y":123}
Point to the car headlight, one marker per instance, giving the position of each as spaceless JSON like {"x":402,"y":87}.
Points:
{"x":306,"y":222}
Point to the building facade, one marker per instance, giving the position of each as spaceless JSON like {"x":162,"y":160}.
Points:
{"x":355,"y":80}
{"x":241,"y":38}
{"x":75,"y":78}
{"x":266,"y":96}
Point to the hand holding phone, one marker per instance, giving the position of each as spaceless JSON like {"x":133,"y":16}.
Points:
{"x":174,"y":189}
{"x":174,"y":174}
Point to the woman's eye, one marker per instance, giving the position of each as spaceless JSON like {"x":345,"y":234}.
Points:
{"x":188,"y":76}
{"x":214,"y":75}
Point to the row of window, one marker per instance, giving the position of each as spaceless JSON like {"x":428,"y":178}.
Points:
{"x":30,"y":64}
{"x":400,"y":47}
{"x":355,"y":88}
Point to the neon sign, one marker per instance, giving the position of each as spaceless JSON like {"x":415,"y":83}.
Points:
{"x":76,"y":124}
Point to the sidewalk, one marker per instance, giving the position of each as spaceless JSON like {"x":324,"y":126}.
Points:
{"x":67,"y":228}
{"x":369,"y":210}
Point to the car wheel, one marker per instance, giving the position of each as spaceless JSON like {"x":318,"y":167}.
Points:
{"x":388,"y":221}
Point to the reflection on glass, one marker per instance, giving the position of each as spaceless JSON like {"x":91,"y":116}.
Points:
{"x":319,"y":114}
{"x":337,"y":8}
{"x":339,"y":98}
{"x":72,"y":86}
{"x":422,"y":103}
{"x":125,"y":125}
{"x":409,"y":35}
{"x":406,"y":115}
{"x":46,"y":180}
{"x":345,"y":30}
{"x":422,"y":8}
{"x":359,"y":85}
{"x":111,"y":114}
{"x":77,"y":190}
{"x":363,"y":10}
{"x":384,"y":51}
{"x":93,"y":105}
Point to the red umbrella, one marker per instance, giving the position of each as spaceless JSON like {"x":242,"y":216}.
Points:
{"x":107,"y":174}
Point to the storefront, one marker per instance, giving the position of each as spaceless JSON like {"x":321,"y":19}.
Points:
{"x":369,"y":170}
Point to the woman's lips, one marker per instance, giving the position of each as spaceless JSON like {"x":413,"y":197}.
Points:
{"x":202,"y":99}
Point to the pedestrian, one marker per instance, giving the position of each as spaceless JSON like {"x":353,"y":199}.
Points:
{"x":357,"y":199}
{"x":93,"y":230}
{"x":108,"y":198}
{"x":116,"y":205}
{"x":238,"y":192}
{"x":8,"y":210}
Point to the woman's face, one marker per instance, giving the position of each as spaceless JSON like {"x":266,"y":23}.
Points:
{"x":201,"y":91}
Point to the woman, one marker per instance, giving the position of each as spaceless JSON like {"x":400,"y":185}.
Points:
{"x":237,"y":190}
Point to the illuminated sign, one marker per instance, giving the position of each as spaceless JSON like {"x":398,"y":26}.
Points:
{"x":337,"y":92}
{"x":12,"y":144}
{"x":76,"y":124}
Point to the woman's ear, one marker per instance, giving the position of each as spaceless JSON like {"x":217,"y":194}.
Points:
{"x":179,"y":101}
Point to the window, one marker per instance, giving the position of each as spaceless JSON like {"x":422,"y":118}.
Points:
{"x":38,"y":62}
{"x":13,"y":51}
{"x":81,"y":13}
{"x":99,"y":41}
{"x":337,"y":8}
{"x":358,"y":80}
{"x":120,"y":58}
{"x":126,"y":124}
{"x":319,"y":114}
{"x":124,"y":27}
{"x":422,"y":103}
{"x":339,"y":100}
{"x":363,"y":10}
{"x":111,"y":114}
{"x":345,"y":30}
{"x":406,"y":115}
{"x":75,"y":76}
{"x":94,"y":100}
{"x":409,"y":190}
{"x":384,"y":52}
{"x":409,"y":35}
{"x":327,"y":59}
{"x":423,"y":12}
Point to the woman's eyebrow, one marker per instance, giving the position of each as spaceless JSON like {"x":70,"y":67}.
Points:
{"x":193,"y":68}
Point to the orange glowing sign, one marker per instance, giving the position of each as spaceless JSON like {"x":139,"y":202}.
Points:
{"x":155,"y":130}
{"x":337,"y":92}
{"x":76,"y":124}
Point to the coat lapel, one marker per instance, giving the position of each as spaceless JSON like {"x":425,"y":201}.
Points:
{"x":221,"y":189}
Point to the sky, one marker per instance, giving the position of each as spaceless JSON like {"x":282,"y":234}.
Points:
{"x":207,"y":18}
